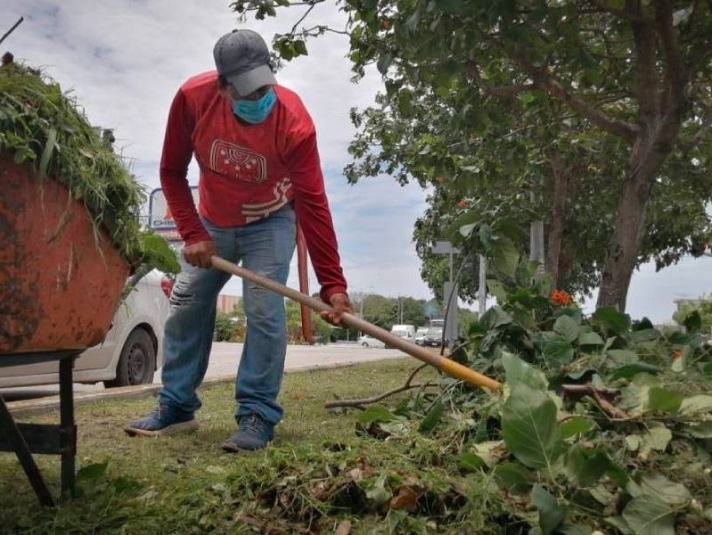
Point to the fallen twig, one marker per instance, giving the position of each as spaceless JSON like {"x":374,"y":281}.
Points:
{"x":602,"y":396}
{"x":360,"y":403}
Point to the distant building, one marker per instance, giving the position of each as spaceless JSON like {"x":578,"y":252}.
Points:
{"x":227,"y":303}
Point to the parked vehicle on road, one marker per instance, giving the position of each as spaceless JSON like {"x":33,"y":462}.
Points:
{"x":370,"y":341}
{"x":131,"y":351}
{"x":420,"y":335}
{"x":434,"y":337}
{"x":404,"y":331}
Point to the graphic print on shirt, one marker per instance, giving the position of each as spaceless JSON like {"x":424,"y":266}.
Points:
{"x":280,"y":192}
{"x":233,"y":160}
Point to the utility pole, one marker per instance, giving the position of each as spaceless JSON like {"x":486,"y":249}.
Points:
{"x":482,"y":291}
{"x":449,"y":289}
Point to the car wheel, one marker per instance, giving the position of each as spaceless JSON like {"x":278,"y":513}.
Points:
{"x":137,"y":362}
{"x":364,"y":344}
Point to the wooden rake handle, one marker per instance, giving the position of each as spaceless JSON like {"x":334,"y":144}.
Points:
{"x":450,"y":367}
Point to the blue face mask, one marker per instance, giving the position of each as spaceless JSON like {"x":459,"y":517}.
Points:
{"x":255,"y":111}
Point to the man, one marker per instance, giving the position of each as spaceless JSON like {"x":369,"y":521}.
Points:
{"x":256,"y":148}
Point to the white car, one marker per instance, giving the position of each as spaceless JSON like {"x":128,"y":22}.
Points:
{"x":370,"y":341}
{"x":420,"y":335}
{"x":131,"y":351}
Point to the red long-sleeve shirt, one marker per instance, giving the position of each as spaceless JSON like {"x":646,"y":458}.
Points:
{"x":248,"y":171}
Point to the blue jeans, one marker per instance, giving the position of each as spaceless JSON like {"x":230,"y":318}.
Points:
{"x":265,"y":247}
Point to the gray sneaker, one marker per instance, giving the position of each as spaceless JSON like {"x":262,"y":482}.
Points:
{"x":163,"y":420}
{"x":253,"y":433}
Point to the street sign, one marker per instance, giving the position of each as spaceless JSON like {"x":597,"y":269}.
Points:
{"x":445,"y":247}
{"x":160,"y":217}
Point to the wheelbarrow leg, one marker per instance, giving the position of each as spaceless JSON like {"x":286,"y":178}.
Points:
{"x":67,"y":428}
{"x":24,"y":456}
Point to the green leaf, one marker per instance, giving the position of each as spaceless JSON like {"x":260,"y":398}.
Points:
{"x":518,"y":371}
{"x":648,"y":516}
{"x":701,"y":430}
{"x":48,"y":151}
{"x":529,"y":427}
{"x":551,"y":513}
{"x":156,"y":253}
{"x":505,"y":258}
{"x":655,"y":439}
{"x":661,"y":399}
{"x":91,"y":472}
{"x":377,"y":491}
{"x":495,"y":317}
{"x":665,"y":490}
{"x":558,"y":352}
{"x":631,"y":370}
{"x":300,"y":48}
{"x":567,"y":328}
{"x":451,"y":7}
{"x":497,"y":289}
{"x":612,"y":320}
{"x":693,"y":322}
{"x":586,"y":467}
{"x":622,"y":357}
{"x":384,"y":61}
{"x":590,"y":339}
{"x":376,"y":413}
{"x":513,"y":476}
{"x":696,"y":404}
{"x":470,"y":462}
{"x":433,"y":417}
{"x":575,"y":426}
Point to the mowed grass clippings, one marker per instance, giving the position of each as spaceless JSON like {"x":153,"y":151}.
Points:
{"x":317,"y":474}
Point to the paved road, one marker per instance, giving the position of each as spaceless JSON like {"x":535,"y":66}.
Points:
{"x":225,"y":356}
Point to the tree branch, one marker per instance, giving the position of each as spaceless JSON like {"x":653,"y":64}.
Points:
{"x":359,"y":403}
{"x":508,"y":90}
{"x":675,"y":76}
{"x":545,"y":81}
{"x":646,"y":48}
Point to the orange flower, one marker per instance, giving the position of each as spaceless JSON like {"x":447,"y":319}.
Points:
{"x":560,"y":297}
{"x":462,"y":203}
{"x":677,"y":354}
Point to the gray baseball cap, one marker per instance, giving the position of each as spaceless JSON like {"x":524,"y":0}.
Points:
{"x":243,"y":59}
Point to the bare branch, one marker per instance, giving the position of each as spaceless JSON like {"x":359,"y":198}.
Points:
{"x":546,"y":81}
{"x":508,"y":90}
{"x":301,"y":19}
{"x":621,"y":13}
{"x":359,"y":403}
{"x":675,"y":76}
{"x":646,"y":49}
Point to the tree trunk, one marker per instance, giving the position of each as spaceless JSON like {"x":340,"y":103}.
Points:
{"x":556,"y":225}
{"x":622,"y":251}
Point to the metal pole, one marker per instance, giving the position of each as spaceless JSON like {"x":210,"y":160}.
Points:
{"x":482,"y":291}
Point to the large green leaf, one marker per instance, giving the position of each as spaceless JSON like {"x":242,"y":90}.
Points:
{"x":432,"y":419}
{"x":529,"y":427}
{"x":646,"y":515}
{"x":551,"y":513}
{"x":586,"y":467}
{"x":505,"y":258}
{"x":558,"y":352}
{"x":661,"y":399}
{"x":517,"y":371}
{"x":612,"y":320}
{"x":665,"y":490}
{"x":575,"y":426}
{"x":157,"y":253}
{"x":567,"y":328}
{"x":590,"y":339}
{"x":696,"y":404}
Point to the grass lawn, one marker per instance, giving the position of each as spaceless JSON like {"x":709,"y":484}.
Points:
{"x":318,"y":476}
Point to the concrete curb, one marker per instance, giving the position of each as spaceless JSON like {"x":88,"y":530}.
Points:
{"x":35,"y":406}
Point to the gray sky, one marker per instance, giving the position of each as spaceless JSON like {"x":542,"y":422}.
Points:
{"x":124,"y":60}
